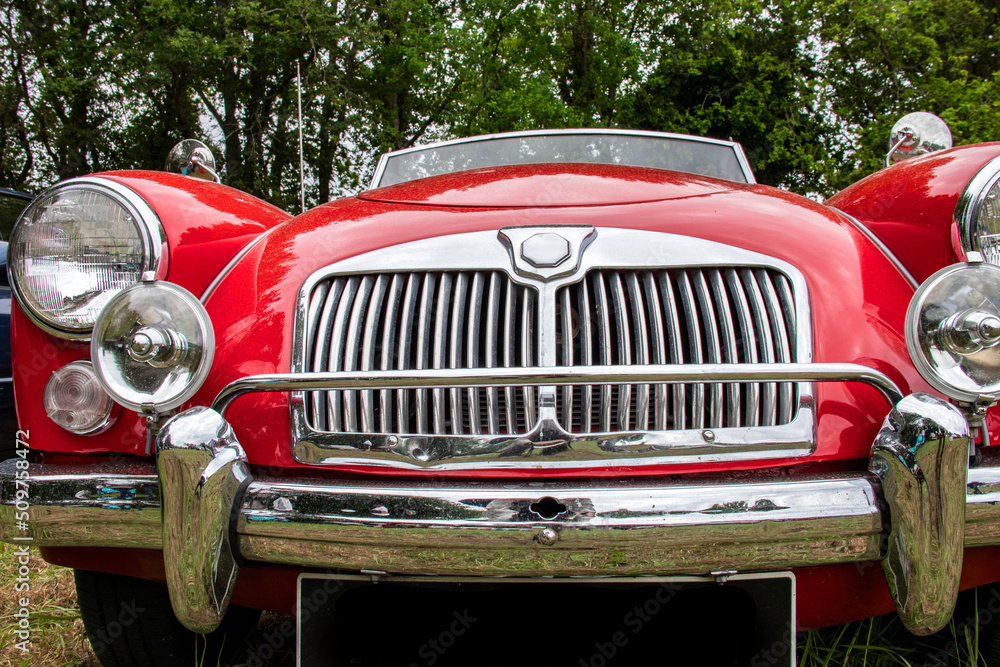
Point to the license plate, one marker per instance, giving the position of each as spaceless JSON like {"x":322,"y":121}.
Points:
{"x":739,"y":619}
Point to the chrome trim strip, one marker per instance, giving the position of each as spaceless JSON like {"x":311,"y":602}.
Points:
{"x":881,"y":246}
{"x":560,"y":449}
{"x":737,"y":148}
{"x":557,"y":375}
{"x":244,"y":251}
{"x":971,"y":201}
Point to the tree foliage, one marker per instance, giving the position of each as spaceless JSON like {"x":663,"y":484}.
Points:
{"x":809,"y":88}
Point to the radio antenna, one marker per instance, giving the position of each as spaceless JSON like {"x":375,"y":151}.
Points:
{"x":302,"y":181}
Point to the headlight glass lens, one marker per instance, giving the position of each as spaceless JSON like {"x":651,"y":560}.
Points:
{"x":72,"y":250}
{"x":988,"y":225}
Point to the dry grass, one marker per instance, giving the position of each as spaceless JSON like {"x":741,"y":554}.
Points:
{"x":57,"y":635}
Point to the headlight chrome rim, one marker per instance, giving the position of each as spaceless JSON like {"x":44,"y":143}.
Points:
{"x":150,"y":231}
{"x":970,"y":204}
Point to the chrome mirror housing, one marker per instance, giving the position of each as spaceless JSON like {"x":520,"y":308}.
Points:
{"x":192,"y":158}
{"x":917,"y":133}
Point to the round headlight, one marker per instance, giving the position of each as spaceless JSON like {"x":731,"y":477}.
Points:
{"x":153,"y":346}
{"x":953,"y":331}
{"x":78,"y":245}
{"x":978,"y":213}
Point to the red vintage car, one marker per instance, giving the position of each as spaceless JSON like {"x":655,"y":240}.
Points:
{"x":553,"y":365}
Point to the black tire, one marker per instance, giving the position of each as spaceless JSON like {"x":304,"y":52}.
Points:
{"x":129,"y":622}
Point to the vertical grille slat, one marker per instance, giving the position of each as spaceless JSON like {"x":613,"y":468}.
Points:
{"x":321,"y":347}
{"x":455,"y":341}
{"x":730,"y":354}
{"x":391,"y":330}
{"x":624,"y":338}
{"x":425,"y":344}
{"x":641,"y":339}
{"x":473,"y":328}
{"x":407,"y":325}
{"x":768,"y":404}
{"x":586,"y":358}
{"x":713,"y":345}
{"x":689,"y":309}
{"x":565,"y":342}
{"x":493,"y":346}
{"x":529,"y":353}
{"x":483,"y":319}
{"x":509,"y":358}
{"x":675,"y":342}
{"x":441,"y":349}
{"x":335,"y":412}
{"x":749,"y":344}
{"x":658,"y":351}
{"x":604,"y":358}
{"x":352,"y":348}
{"x":367,"y":362}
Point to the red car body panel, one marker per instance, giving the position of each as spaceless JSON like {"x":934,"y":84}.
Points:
{"x":911,"y":206}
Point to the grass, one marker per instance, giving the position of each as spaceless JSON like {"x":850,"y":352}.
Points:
{"x":58,"y":638}
{"x":57,"y":635}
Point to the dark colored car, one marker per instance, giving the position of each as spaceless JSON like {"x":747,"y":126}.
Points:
{"x":12,"y":203}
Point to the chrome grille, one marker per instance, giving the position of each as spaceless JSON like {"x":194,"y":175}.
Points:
{"x":444,"y":316}
{"x":680,"y":316}
{"x":420,"y":320}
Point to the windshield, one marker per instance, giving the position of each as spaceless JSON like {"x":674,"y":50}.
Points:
{"x":706,"y":157}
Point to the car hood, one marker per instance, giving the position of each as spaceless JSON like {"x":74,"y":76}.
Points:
{"x":547,"y":185}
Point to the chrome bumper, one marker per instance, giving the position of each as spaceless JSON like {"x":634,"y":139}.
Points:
{"x":912,"y":501}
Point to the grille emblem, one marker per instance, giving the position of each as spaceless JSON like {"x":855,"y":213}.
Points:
{"x":546,"y":253}
{"x":545,"y":250}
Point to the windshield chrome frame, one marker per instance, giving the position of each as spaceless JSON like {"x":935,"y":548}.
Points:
{"x":741,"y":157}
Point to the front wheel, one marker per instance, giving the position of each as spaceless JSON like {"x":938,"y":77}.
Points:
{"x":130,"y":622}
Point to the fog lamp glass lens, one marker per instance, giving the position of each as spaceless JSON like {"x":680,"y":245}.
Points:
{"x":75,"y":400}
{"x":72,"y":250}
{"x":988,"y":225}
{"x":153,"y":346}
{"x":953,"y":331}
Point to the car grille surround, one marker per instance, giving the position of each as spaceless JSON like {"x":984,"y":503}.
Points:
{"x":688,"y":302}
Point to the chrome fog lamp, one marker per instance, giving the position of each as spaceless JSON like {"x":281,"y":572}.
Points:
{"x":953,"y":331}
{"x":77,"y":245}
{"x":153,"y":346}
{"x":75,"y":400}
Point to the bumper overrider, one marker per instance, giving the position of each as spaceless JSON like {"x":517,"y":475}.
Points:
{"x":202,"y":507}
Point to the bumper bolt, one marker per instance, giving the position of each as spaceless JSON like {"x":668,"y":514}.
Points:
{"x":548,"y":537}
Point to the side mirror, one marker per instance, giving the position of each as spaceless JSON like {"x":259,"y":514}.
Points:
{"x":917,"y":133}
{"x":192,"y":158}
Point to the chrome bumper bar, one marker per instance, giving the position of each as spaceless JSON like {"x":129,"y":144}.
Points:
{"x":616,"y":528}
